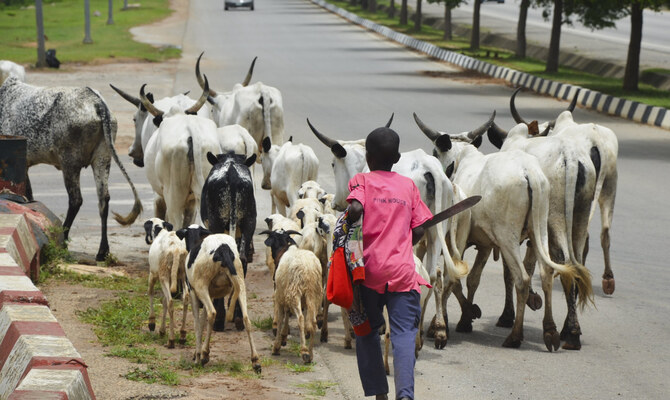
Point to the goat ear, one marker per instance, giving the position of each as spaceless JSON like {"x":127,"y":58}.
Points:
{"x":212,"y":158}
{"x":266,"y":144}
{"x":168,"y":226}
{"x":323,"y":199}
{"x":338,"y":150}
{"x":157,"y":121}
{"x":477,"y":142}
{"x":147,"y":232}
{"x":443,"y":143}
{"x":250,"y":161}
{"x":181,"y":233}
{"x":450,"y":170}
{"x":290,"y":139}
{"x":268,"y":221}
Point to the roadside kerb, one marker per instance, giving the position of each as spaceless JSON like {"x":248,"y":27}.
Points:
{"x":37,"y":360}
{"x":591,"y":99}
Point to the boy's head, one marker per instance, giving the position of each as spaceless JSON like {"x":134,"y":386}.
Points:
{"x":381,"y":147}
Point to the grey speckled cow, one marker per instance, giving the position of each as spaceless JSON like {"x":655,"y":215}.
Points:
{"x":69,"y":128}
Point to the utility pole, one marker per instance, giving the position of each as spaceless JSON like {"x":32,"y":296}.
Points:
{"x":110,"y":16}
{"x":87,"y":22}
{"x":41,"y":55}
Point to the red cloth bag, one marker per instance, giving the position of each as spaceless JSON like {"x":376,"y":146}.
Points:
{"x":338,"y":289}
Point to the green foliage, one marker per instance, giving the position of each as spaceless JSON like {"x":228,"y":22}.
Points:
{"x":299,"y":367}
{"x":264,"y":324}
{"x":64,"y":28}
{"x":154,"y":374}
{"x":317,"y":388}
{"x":139,"y":355}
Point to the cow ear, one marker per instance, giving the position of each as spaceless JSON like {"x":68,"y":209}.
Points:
{"x":157,"y":121}
{"x":301,"y":193}
{"x":443,"y":143}
{"x":147,"y":230}
{"x":168,"y":226}
{"x":477,"y":142}
{"x":212,"y":158}
{"x":268,"y":221}
{"x":338,"y":150}
{"x":181,"y":233}
{"x":266,"y":144}
{"x":290,"y":139}
{"x":204,"y":232}
{"x":250,"y":161}
{"x":450,"y":170}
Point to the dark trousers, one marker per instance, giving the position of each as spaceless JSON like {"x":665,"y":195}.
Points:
{"x":404,"y":310}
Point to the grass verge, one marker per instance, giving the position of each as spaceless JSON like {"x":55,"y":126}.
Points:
{"x":317,"y":388}
{"x":64,"y":29}
{"x":611,"y":86}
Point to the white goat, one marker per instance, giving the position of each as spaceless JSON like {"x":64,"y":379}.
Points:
{"x":167,"y":256}
{"x":305,"y":211}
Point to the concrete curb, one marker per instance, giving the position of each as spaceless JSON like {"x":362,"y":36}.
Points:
{"x":591,"y":99}
{"x":37,"y":360}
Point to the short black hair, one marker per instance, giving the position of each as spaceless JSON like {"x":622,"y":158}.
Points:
{"x":382,"y":145}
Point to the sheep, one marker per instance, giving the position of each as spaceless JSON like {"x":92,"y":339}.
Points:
{"x":214,"y":270}
{"x":276,"y":222}
{"x":167,"y":256}
{"x":304,"y":211}
{"x":310,"y":189}
{"x":327,"y":203}
{"x":297,"y":287}
{"x":425,"y":295}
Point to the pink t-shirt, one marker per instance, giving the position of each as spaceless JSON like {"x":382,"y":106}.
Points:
{"x":392,"y":206}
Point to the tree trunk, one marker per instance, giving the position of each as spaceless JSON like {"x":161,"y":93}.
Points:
{"x":110,"y":12}
{"x":87,"y":22}
{"x":372,"y":6}
{"x":39,"y":19}
{"x":521,"y":29}
{"x":125,"y":5}
{"x":474,"y":37}
{"x":417,"y":17}
{"x":403,"y":12}
{"x":632,"y":74}
{"x":447,"y":23}
{"x":391,"y":9}
{"x":555,"y":42}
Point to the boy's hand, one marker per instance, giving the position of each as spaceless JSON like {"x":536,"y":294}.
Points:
{"x":355,"y":211}
{"x":417,"y":234}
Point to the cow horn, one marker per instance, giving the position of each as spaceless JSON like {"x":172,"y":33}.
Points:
{"x":132,"y":99}
{"x":323,"y":138}
{"x":546,"y":130}
{"x":512,"y":107}
{"x":292,"y":232}
{"x":388,"y":124}
{"x":201,"y":82}
{"x":251,"y":72}
{"x":496,"y":135}
{"x":573,"y":103}
{"x":266,"y":232}
{"x":201,"y":101}
{"x":148,"y":105}
{"x":474,"y":134}
{"x":429,"y":132}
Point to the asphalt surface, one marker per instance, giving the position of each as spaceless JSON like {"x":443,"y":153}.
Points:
{"x":348,"y":81}
{"x":610,"y":44}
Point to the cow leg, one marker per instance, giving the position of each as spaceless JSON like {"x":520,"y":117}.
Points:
{"x":182,"y":331}
{"x":471,"y":311}
{"x":606,"y":200}
{"x":74,"y":200}
{"x":100,"y":167}
{"x":240,"y":289}
{"x":324,"y":319}
{"x":534,"y":299}
{"x":506,"y":319}
{"x":189,"y":211}
{"x":211,"y":316}
{"x":571,"y":330}
{"x":152,"y":312}
{"x":160,"y":208}
{"x":521,"y":283}
{"x":551,"y":337}
{"x":197,"y":326}
{"x":220,"y":321}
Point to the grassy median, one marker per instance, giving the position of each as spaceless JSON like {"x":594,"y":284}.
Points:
{"x":64,"y":31}
{"x":612,"y":86}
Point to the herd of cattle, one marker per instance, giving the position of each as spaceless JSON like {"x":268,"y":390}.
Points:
{"x":542,"y":187}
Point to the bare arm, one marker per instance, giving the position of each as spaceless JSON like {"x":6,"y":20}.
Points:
{"x":355,"y":211}
{"x":417,"y":234}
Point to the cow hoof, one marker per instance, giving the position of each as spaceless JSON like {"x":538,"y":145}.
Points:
{"x":324,"y":336}
{"x":352,"y":334}
{"x":275,"y":351}
{"x":219,"y":326}
{"x":319,"y":323}
{"x":534,"y":301}
{"x":204,"y":359}
{"x":440,"y":341}
{"x":347,"y":345}
{"x":257,"y":367}
{"x":170,"y":344}
{"x":608,"y":285}
{"x":506,"y":320}
{"x":431,"y":330}
{"x":152,"y":326}
{"x":512,"y":342}
{"x":572,"y":342}
{"x":464,"y":326}
{"x":239,"y":324}
{"x":306,"y":358}
{"x":283,"y":340}
{"x":552,"y":340}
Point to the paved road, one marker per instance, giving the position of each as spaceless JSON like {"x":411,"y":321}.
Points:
{"x":348,"y":81}
{"x":608,"y":44}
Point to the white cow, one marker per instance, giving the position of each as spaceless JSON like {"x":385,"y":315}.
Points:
{"x":176,"y":160}
{"x":9,"y":68}
{"x":436,"y":191}
{"x":285,"y":168}
{"x":514,"y":206}
{"x":144,"y":121}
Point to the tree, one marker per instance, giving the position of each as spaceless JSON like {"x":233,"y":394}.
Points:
{"x":403,"y":12}
{"x":555,"y":41}
{"x":474,"y":37}
{"x":87,"y":22}
{"x":110,"y":11}
{"x":448,"y":6}
{"x":521,"y":29}
{"x":417,"y":17}
{"x":41,"y":54}
{"x":391,"y":10}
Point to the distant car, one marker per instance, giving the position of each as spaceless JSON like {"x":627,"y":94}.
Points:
{"x":238,"y":3}
{"x":499,"y":1}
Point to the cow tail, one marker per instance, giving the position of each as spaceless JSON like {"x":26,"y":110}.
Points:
{"x":571,"y":172}
{"x":596,"y":158}
{"x":455,"y":268}
{"x":570,"y":273}
{"x":106,"y":117}
{"x":267,"y":118}
{"x":195,"y":164}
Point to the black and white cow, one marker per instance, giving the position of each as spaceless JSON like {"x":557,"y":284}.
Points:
{"x":70,"y":128}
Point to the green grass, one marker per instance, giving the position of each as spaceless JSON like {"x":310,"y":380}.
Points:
{"x":647,"y":94}
{"x":263,"y":324}
{"x":64,"y":28}
{"x":317,"y":388}
{"x":154,"y":374}
{"x":299,"y":368}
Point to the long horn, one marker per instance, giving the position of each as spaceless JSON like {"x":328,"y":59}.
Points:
{"x":132,"y":99}
{"x":201,"y":101}
{"x":198,"y":76}
{"x":496,"y":135}
{"x":323,"y":138}
{"x":474,"y":134}
{"x":251,"y":72}
{"x":512,"y":107}
{"x":432,"y":134}
{"x":148,"y":105}
{"x":388,"y":124}
{"x":546,"y":130}
{"x":573,"y":103}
